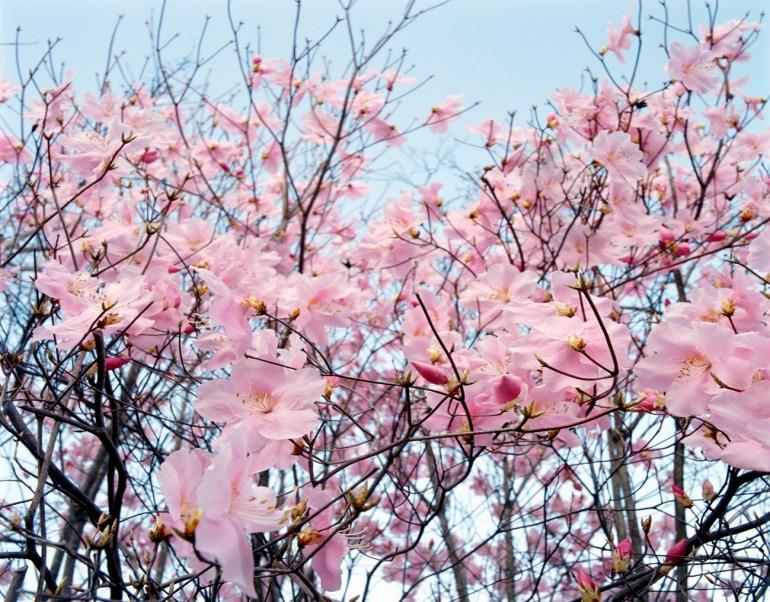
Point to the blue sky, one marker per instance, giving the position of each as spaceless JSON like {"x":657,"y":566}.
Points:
{"x":508,"y":54}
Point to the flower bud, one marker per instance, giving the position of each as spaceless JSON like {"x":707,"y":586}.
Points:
{"x":589,"y":591}
{"x":676,"y":553}
{"x":298,"y":512}
{"x":565,"y":310}
{"x":308,"y":537}
{"x":621,"y":556}
{"x":506,"y":388}
{"x":728,"y":308}
{"x":115,"y":361}
{"x":681,"y":497}
{"x":432,"y":374}
{"x":576,"y":343}
{"x":708,"y":491}
{"x":159,"y":532}
{"x":646,"y":524}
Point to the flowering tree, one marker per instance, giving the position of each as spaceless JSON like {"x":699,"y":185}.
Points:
{"x":229,"y":371}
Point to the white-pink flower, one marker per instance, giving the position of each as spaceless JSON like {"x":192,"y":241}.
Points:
{"x":619,"y":156}
{"x":276,"y":402}
{"x":694,"y":67}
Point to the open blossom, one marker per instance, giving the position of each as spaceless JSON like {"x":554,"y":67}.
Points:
{"x":87,"y":303}
{"x":441,"y":113}
{"x":693,"y":362}
{"x":491,"y":132}
{"x":12,"y":150}
{"x":487,"y":405}
{"x":619,"y":38}
{"x":276,"y":402}
{"x":501,"y":286}
{"x":322,"y":302}
{"x":619,"y":156}
{"x":694,"y":67}
{"x":7,"y":89}
{"x":260,"y":300}
{"x":745,"y":417}
{"x":318,"y":538}
{"x":384,"y":131}
{"x":216,"y":502}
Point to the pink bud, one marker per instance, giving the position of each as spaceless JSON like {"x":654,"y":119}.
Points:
{"x":648,"y":401}
{"x":681,"y":497}
{"x":716,"y":236}
{"x":589,"y":591}
{"x":646,"y":405}
{"x":115,"y":361}
{"x":188,"y":329}
{"x":682,"y":250}
{"x":150,"y":155}
{"x":506,"y":388}
{"x":709,"y":494}
{"x":666,"y":235}
{"x":676,"y":553}
{"x":173,"y":269}
{"x":430,"y":373}
{"x":621,"y":556}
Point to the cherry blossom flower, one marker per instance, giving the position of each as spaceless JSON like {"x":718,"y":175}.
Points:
{"x":215,"y":500}
{"x":694,"y":67}
{"x":440,"y":114}
{"x":618,"y":38}
{"x":619,"y":156}
{"x":276,"y":402}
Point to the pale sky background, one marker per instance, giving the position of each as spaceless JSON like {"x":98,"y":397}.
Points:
{"x":508,"y":54}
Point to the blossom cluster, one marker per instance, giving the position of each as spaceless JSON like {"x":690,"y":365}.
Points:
{"x":611,"y":261}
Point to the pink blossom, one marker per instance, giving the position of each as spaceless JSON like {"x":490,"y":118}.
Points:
{"x":618,"y":38}
{"x":383,"y":131}
{"x":440,"y":114}
{"x":276,"y":402}
{"x":219,"y":503}
{"x":619,"y":156}
{"x":689,"y":361}
{"x":328,"y":547}
{"x":12,"y":150}
{"x":116,"y":361}
{"x":694,"y":67}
